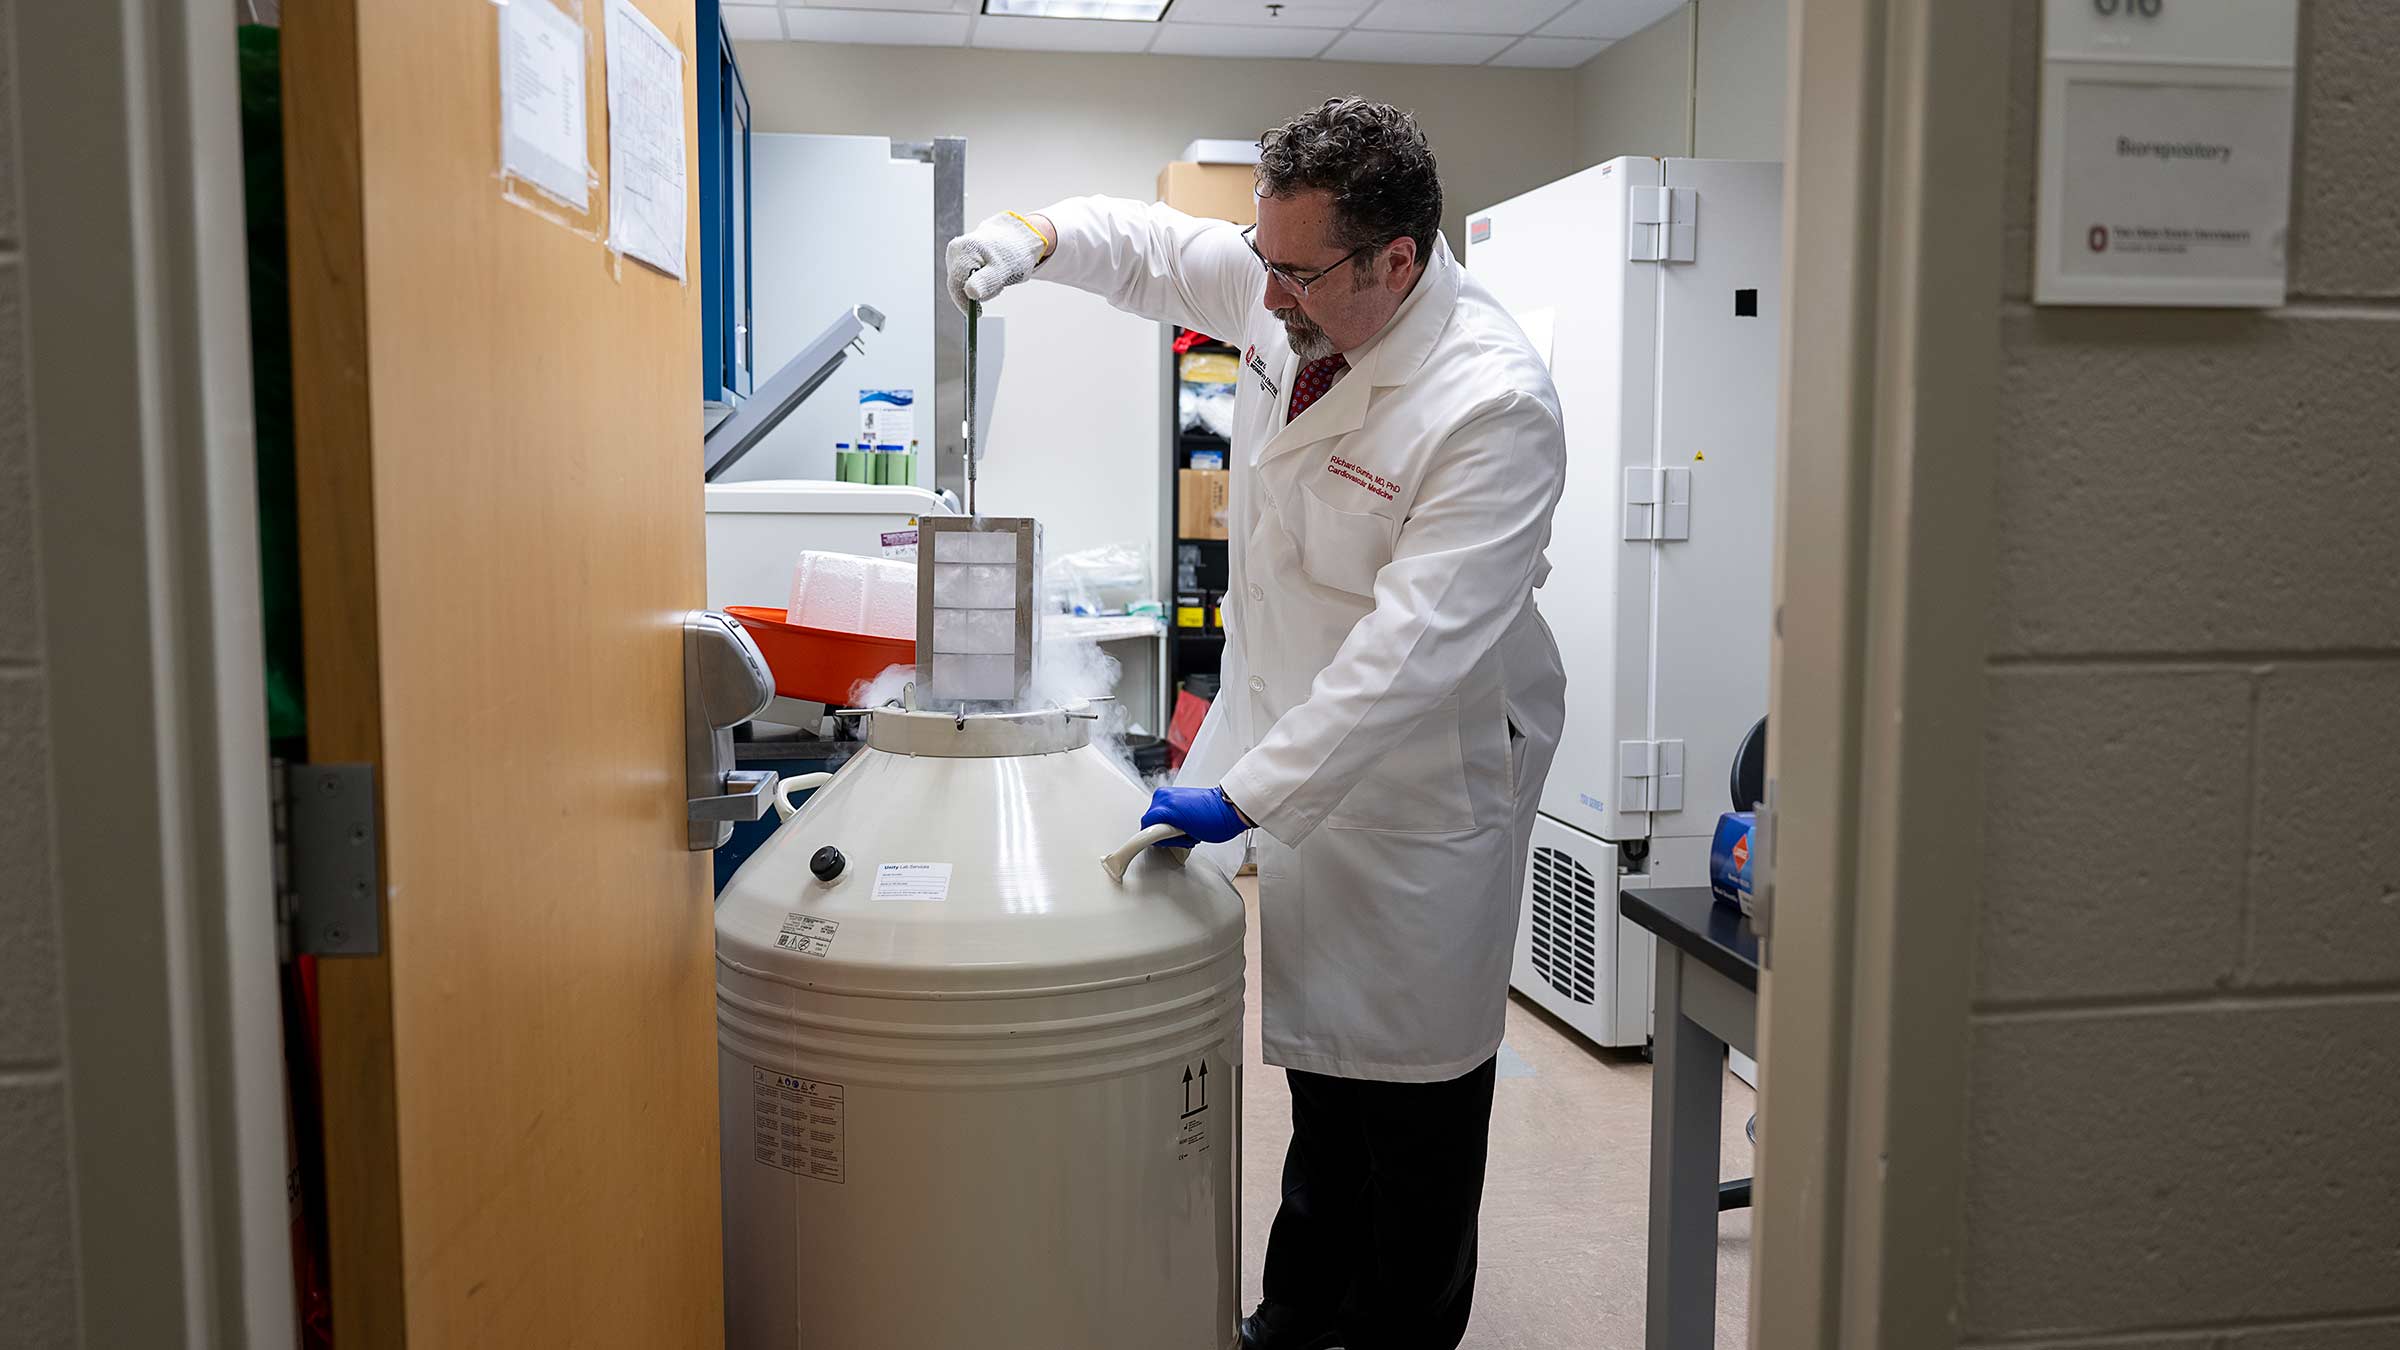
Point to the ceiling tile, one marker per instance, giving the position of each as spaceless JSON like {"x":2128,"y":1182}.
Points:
{"x":1299,"y":13}
{"x":1608,"y":18}
{"x":1420,"y":49}
{"x":1063,"y":35}
{"x":851,"y":25}
{"x":1550,"y":53}
{"x":1114,"y":11}
{"x":1512,"y":17}
{"x":917,"y":6}
{"x":752,"y":23}
{"x":1253,"y":40}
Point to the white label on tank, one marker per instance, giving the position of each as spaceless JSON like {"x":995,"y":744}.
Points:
{"x":1191,"y":1139}
{"x":797,"y":1124}
{"x":806,"y":934}
{"x":912,"y":881}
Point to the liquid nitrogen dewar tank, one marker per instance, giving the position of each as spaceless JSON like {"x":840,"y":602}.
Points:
{"x":975,"y":1093}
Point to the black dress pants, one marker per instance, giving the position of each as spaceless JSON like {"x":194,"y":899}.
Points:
{"x":1376,"y":1234}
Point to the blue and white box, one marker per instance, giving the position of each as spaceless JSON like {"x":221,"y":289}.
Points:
{"x":1732,"y":866}
{"x":887,"y":417}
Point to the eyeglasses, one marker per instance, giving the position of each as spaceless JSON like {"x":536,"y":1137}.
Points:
{"x":1293,"y":281}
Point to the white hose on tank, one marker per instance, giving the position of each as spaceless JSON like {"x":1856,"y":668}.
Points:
{"x":1116,"y":863}
{"x":784,"y":810}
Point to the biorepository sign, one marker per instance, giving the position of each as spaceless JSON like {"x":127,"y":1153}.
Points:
{"x":2166,"y":152}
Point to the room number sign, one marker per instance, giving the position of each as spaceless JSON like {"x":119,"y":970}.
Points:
{"x":2166,"y":152}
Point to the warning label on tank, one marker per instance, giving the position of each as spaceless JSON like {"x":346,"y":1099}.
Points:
{"x":797,"y":1124}
{"x":1191,"y":1132}
{"x":806,"y":934}
{"x":1191,"y":1140}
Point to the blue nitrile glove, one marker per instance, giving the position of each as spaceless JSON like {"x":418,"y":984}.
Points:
{"x":1203,"y":814}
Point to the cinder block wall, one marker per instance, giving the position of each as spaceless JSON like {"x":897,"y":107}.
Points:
{"x":37,"y":1241}
{"x":2185,"y":1127}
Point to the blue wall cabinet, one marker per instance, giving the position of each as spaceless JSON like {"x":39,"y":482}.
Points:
{"x":725,"y":346}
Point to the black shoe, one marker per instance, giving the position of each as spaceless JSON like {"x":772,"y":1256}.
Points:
{"x":1263,"y":1330}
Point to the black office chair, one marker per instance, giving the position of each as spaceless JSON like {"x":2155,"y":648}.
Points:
{"x":1749,"y":775}
{"x":1748,"y":788}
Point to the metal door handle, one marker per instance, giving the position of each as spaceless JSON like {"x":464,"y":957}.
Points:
{"x":725,"y":683}
{"x":748,"y":793}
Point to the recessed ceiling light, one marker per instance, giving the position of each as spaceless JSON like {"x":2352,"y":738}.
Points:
{"x":1137,"y":11}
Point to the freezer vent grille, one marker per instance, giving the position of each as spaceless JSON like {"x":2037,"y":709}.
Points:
{"x":1566,"y":924}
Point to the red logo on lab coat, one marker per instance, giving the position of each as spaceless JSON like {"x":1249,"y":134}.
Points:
{"x":1259,"y":368}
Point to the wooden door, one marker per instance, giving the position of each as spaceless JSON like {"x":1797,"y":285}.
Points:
{"x":501,"y":527}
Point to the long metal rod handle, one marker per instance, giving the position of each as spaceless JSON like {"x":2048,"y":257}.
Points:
{"x":1116,"y":863}
{"x":974,"y":312}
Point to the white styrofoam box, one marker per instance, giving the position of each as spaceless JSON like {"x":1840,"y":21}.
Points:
{"x":850,"y":594}
{"x":755,"y":529}
{"x":1220,"y":152}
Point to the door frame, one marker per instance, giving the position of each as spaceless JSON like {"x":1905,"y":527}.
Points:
{"x":137,"y":311}
{"x":1896,"y":127}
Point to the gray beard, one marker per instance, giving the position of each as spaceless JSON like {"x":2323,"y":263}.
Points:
{"x":1308,"y":341}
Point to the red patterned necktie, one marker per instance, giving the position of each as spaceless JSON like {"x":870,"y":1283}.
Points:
{"x":1314,"y":379}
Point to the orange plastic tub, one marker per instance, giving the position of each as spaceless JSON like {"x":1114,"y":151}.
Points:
{"x":819,"y":665}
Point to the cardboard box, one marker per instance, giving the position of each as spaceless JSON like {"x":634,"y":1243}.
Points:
{"x":1203,"y":501}
{"x":1219,"y":191}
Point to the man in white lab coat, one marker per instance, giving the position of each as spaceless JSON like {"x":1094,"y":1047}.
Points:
{"x":1390,"y":697}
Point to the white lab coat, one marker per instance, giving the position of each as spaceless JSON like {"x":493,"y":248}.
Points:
{"x":1391,"y":698}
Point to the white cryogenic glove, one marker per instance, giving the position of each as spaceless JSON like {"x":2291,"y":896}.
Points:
{"x":993,"y":256}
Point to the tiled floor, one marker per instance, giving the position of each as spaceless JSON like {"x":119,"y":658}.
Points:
{"x":1565,"y":1200}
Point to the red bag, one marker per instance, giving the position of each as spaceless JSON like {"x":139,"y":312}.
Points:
{"x":1190,"y":711}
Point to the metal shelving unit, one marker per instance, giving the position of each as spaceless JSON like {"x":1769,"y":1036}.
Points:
{"x":1201,"y":562}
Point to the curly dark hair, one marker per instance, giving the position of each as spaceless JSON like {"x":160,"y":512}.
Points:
{"x":1371,"y":157}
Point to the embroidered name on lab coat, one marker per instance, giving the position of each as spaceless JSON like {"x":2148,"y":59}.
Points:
{"x":1373,"y":482}
{"x":1250,"y":358}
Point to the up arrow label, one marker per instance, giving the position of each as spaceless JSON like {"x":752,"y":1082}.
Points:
{"x":1190,"y":1110}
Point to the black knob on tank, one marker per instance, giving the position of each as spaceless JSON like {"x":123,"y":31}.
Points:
{"x":828,"y":863}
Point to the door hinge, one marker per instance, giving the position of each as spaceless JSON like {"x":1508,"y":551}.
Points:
{"x":328,"y":859}
{"x":1665,"y":225}
{"x":1658,"y":504}
{"x":1650,"y":775}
